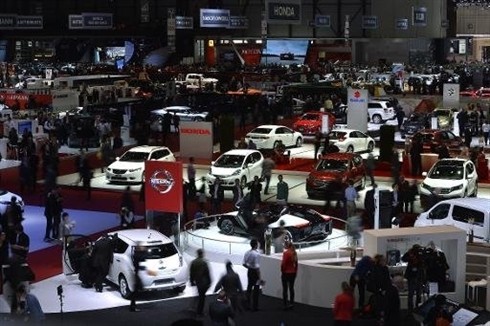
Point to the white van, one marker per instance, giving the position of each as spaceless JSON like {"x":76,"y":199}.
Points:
{"x":465,"y":213}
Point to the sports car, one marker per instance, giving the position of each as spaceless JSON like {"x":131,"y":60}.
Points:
{"x":300,"y":223}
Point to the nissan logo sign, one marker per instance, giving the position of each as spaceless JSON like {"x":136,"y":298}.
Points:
{"x":162,"y":181}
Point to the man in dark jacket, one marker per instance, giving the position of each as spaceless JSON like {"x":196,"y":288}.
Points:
{"x":201,"y":278}
{"x":231,"y":284}
{"x":102,"y":259}
{"x":220,"y":311}
{"x":217,"y":196}
{"x":414,"y":273}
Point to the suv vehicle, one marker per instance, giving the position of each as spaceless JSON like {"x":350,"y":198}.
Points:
{"x":130,"y":167}
{"x":164,"y":266}
{"x":332,"y":173}
{"x":241,"y":164}
{"x":379,"y":111}
{"x":450,"y":178}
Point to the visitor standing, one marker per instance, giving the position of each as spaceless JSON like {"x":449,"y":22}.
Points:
{"x":201,"y":278}
{"x":251,"y":261}
{"x":282,"y":191}
{"x":231,"y":284}
{"x":358,"y":278}
{"x":351,"y":196}
{"x":343,"y":307}
{"x":267,"y":167}
{"x":289,"y":269}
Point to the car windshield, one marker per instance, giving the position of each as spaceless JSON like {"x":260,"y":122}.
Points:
{"x":261,"y":131}
{"x":448,"y":172}
{"x":229,"y":161}
{"x":336,"y":135}
{"x":309,"y":117}
{"x":133,"y":156}
{"x":159,"y":252}
{"x":333,"y":165}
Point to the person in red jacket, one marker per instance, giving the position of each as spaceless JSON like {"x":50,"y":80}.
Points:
{"x":343,"y":307}
{"x":289,"y":268}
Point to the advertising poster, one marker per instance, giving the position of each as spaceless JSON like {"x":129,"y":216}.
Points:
{"x":370,"y":22}
{"x":450,"y":95}
{"x":401,"y":23}
{"x":196,"y":139}
{"x":419,"y":16}
{"x":357,"y":104}
{"x":283,"y":11}
{"x":215,"y":18}
{"x":163,"y":186}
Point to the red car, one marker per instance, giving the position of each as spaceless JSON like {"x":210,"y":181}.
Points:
{"x":433,"y":138}
{"x":332,"y":174}
{"x":311,"y":122}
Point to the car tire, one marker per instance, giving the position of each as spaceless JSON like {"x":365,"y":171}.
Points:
{"x":124,"y":287}
{"x":299,"y":142}
{"x":370,"y":146}
{"x":227,"y":226}
{"x":377,"y":119}
{"x":350,"y":149}
{"x":243,"y":181}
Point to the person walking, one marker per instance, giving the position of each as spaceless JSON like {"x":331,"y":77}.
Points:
{"x":220,"y":312}
{"x":351,"y":196}
{"x":251,"y":261}
{"x":289,"y":269}
{"x":217,"y":196}
{"x":201,"y":278}
{"x":267,"y":166}
{"x":231,"y":284}
{"x":49,"y":211}
{"x":255,"y":188}
{"x":358,"y":278}
{"x":414,"y":273}
{"x":282,"y":191}
{"x":343,"y":307}
{"x":139,"y":256}
{"x":191,"y":176}
{"x":237,"y":192}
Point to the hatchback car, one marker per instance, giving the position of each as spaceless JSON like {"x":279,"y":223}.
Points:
{"x":450,"y":178}
{"x":163,"y":265}
{"x":310,"y":123}
{"x":130,"y":167}
{"x":333,"y":172}
{"x":350,"y":140}
{"x":241,"y":164}
{"x":268,"y":136}
{"x":184,"y":113}
{"x":433,"y":138}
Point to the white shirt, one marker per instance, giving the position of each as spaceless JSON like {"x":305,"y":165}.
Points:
{"x":252,"y":259}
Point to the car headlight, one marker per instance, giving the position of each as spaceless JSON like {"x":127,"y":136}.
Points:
{"x":459,"y":187}
{"x":426,"y":186}
{"x":134,"y":170}
{"x":237,"y":172}
{"x":109,"y":169}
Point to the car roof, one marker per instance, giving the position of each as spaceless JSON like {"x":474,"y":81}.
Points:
{"x":346,"y":130}
{"x":451,"y":161}
{"x":142,"y":236}
{"x":271,"y":126}
{"x":240,"y":152}
{"x":147,"y":148}
{"x":339,"y":156}
{"x":470,"y":202}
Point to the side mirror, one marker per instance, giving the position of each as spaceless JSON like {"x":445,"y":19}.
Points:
{"x":117,"y":158}
{"x":212,"y":162}
{"x":424,"y":174}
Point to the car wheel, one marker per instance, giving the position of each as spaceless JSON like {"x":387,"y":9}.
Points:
{"x":227,"y":227}
{"x":475,"y":192}
{"x":288,"y":236}
{"x":377,"y":119}
{"x":299,"y":142}
{"x":124,"y":287}
{"x":350,"y":149}
{"x":370,"y":147}
{"x":243,"y":181}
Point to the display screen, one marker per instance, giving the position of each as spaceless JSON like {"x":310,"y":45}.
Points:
{"x":285,"y":51}
{"x":23,"y":126}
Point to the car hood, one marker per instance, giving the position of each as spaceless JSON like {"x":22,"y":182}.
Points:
{"x":121,"y":165}
{"x":289,"y":221}
{"x":438,"y":183}
{"x":222,"y":171}
{"x":326,"y":175}
{"x":306,"y":123}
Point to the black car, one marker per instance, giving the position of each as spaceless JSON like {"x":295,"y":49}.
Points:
{"x":300,"y":223}
{"x":415,"y":122}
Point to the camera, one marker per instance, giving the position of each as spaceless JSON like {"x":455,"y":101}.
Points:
{"x":59,"y":289}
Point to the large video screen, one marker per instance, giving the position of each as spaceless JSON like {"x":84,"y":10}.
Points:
{"x":115,"y":54}
{"x":285,"y":52}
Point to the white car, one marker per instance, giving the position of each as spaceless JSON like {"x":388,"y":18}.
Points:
{"x":163,"y":267}
{"x":185,"y":113}
{"x":268,"y":136}
{"x":5,"y":200}
{"x":350,"y":140}
{"x":450,"y":178}
{"x":130,"y":167}
{"x":379,"y":111}
{"x":241,"y":164}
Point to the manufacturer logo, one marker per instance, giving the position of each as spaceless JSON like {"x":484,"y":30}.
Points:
{"x":357,"y":94}
{"x":195,"y":131}
{"x":162,"y":181}
{"x":450,"y":92}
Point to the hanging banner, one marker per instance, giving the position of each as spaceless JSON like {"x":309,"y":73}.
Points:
{"x":196,"y":139}
{"x":215,"y":18}
{"x":238,"y":22}
{"x":322,"y":21}
{"x":283,"y":11}
{"x":419,"y":16}
{"x":450,"y":95}
{"x":357,"y":109}
{"x":89,"y":20}
{"x":12,"y":21}
{"x":369,"y":22}
{"x":402,"y":23}
{"x":182,"y":22}
{"x":163,"y":186}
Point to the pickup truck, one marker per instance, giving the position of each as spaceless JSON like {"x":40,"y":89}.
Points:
{"x":196,"y":80}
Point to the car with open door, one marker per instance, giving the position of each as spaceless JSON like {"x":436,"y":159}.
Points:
{"x":163,"y":266}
